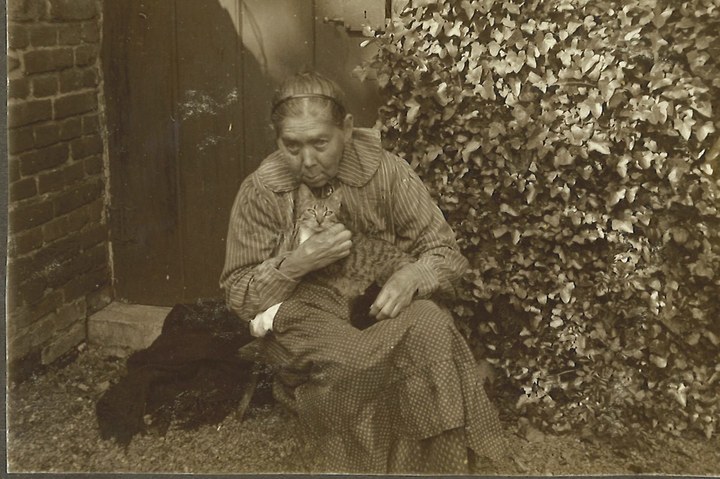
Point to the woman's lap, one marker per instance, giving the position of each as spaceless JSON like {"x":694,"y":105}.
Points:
{"x":404,"y":379}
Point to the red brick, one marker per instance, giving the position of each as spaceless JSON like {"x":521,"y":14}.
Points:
{"x":77,"y":79}
{"x":70,"y":314}
{"x":71,"y":129}
{"x":96,"y":209}
{"x":53,"y":59}
{"x":46,"y":85}
{"x":86,"y":146}
{"x":59,"y":179}
{"x":28,"y":112}
{"x":13,"y":169}
{"x":78,"y":265}
{"x":25,"y":242}
{"x":71,"y":105}
{"x":86,"y":55}
{"x":78,"y":218}
{"x":18,"y":37}
{"x":90,"y":32}
{"x":42,"y":330}
{"x":73,"y":9}
{"x":93,"y":165}
{"x":86,"y":284}
{"x":63,"y":342}
{"x":30,"y":266}
{"x":43,"y":36}
{"x":44,"y":159}
{"x":25,"y":10}
{"x":23,"y":189}
{"x":13,"y":63}
{"x":25,"y":317}
{"x":46,"y":135}
{"x":93,"y":236}
{"x":19,"y":140}
{"x":22,"y":367}
{"x":55,"y":229}
{"x":98,"y":300}
{"x":91,"y":124}
{"x":29,"y":215}
{"x":19,"y":88}
{"x":70,"y":34}
{"x":77,"y":196}
{"x":59,"y":251}
{"x":28,"y":291}
{"x":49,"y":134}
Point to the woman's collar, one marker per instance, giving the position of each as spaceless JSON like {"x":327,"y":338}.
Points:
{"x":359,"y":163}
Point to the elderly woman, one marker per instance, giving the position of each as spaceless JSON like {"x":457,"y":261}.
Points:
{"x":403,"y":395}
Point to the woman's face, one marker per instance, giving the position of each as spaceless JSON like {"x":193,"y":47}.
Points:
{"x":314,"y":146}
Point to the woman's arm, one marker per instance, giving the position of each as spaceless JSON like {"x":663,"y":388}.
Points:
{"x":421,"y":229}
{"x":257,"y":274}
{"x":251,"y":278}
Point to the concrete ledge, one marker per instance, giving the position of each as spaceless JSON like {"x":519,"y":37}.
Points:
{"x":121,"y":326}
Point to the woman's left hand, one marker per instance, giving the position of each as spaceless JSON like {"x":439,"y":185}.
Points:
{"x":395,"y":295}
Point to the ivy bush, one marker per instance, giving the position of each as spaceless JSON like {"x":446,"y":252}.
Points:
{"x":573,"y":145}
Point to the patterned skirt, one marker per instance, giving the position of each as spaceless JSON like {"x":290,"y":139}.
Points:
{"x":402,"y":396}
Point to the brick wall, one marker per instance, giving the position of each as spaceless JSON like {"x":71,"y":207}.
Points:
{"x":58,"y":269}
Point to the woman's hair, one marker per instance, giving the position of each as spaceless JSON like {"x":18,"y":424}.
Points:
{"x":308,"y":93}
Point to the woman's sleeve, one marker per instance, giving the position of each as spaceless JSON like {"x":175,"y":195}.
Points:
{"x":250,"y":278}
{"x":421,"y":228}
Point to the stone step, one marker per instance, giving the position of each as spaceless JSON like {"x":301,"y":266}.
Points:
{"x":120,"y":328}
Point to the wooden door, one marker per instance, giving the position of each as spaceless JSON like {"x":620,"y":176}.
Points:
{"x":173,"y":85}
{"x":188,"y":87}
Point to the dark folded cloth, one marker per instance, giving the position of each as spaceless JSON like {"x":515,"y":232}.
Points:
{"x":189,"y":376}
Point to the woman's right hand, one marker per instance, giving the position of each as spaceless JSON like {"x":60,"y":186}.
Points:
{"x":318,"y":251}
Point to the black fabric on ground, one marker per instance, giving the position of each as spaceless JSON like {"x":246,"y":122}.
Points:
{"x":190,"y":375}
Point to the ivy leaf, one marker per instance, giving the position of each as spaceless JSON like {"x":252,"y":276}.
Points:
{"x":622,"y":225}
{"x":684,"y":126}
{"x":632,"y":34}
{"x":706,"y":129}
{"x":658,"y":361}
{"x":413,"y":111}
{"x":505,"y":208}
{"x":566,"y":292}
{"x":469,"y":8}
{"x":487,"y":90}
{"x":474,"y":76}
{"x":469,"y":148}
{"x":599,"y":146}
{"x":563,"y":158}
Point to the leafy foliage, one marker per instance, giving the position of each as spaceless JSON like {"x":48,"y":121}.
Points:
{"x":573,"y":145}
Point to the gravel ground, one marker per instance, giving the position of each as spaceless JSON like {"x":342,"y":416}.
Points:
{"x":52,"y":428}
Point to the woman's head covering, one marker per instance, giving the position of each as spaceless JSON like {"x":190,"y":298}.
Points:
{"x":308,"y":92}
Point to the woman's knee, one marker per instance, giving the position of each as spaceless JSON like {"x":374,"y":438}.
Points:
{"x":428,"y":310}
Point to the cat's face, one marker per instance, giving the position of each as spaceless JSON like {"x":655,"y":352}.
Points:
{"x":317,"y":214}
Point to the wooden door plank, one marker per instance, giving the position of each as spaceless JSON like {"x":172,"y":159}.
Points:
{"x":210,"y":155}
{"x":138,"y":67}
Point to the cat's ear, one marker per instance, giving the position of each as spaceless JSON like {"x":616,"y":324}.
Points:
{"x":335,"y":199}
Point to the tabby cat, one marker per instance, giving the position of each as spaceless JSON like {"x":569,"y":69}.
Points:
{"x":359,"y":276}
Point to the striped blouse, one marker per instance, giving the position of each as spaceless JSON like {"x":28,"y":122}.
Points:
{"x":382,"y":195}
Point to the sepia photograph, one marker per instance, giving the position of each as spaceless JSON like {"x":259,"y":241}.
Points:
{"x":363,"y":237}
